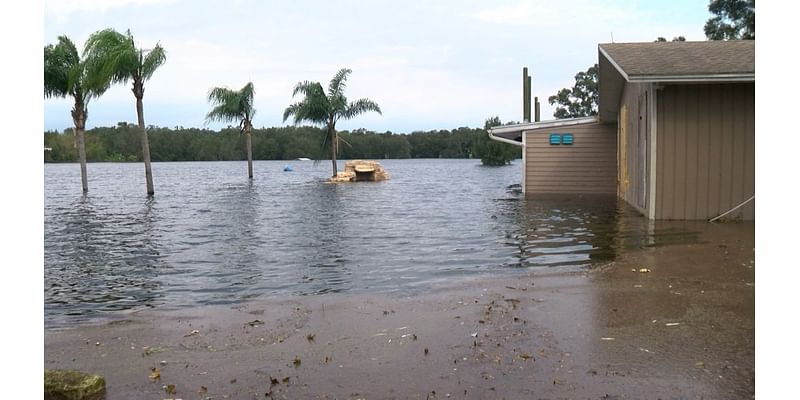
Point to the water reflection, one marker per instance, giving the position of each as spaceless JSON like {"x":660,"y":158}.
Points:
{"x":100,"y":260}
{"x":563,"y":230}
{"x":220,"y":247}
{"x":212,"y":236}
{"x":575,"y":231}
{"x":328,"y":233}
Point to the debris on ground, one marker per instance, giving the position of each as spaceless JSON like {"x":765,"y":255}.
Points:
{"x":73,"y":385}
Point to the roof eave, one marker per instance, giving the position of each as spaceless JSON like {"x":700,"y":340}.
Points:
{"x":716,"y":78}
{"x":504,"y":140}
{"x":611,"y":82}
{"x":542,"y":124}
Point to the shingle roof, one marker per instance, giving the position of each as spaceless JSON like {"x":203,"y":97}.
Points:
{"x":649,"y":61}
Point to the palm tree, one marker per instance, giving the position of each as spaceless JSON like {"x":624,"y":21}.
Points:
{"x":114,"y":58}
{"x":231,"y":105}
{"x":65,"y":75}
{"x":319,"y":108}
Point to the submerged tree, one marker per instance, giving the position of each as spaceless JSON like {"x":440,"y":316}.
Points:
{"x":235,"y":106}
{"x":114,"y":58}
{"x":65,"y":75}
{"x":733,"y":20}
{"x":317,"y":107}
{"x":579,"y":101}
{"x":494,"y":153}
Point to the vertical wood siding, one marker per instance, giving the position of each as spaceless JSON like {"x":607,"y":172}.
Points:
{"x":588,"y":166}
{"x":633,"y":127}
{"x":706,"y":151}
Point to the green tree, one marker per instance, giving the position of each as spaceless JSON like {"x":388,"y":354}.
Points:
{"x":494,"y":153}
{"x":114,"y":58}
{"x":320,"y":108}
{"x":579,"y":101}
{"x":65,"y":75}
{"x":235,"y":106}
{"x":732,"y":20}
{"x":674,"y":39}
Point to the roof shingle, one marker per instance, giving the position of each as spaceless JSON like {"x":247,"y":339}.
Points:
{"x":709,"y":58}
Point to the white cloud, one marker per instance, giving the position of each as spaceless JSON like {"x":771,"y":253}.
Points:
{"x":424,"y":63}
{"x":568,"y":15}
{"x":68,"y":6}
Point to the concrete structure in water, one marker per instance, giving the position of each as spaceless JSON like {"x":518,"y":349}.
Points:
{"x":361,"y":171}
{"x":674,"y":135}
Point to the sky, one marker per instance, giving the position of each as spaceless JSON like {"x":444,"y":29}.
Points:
{"x":428,"y":64}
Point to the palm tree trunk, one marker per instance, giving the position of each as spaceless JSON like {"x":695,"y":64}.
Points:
{"x":148,"y":173}
{"x":79,"y":137}
{"x":79,"y":119}
{"x":334,"y":142}
{"x":248,"y":132}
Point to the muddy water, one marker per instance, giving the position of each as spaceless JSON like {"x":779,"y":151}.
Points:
{"x":211,"y":237}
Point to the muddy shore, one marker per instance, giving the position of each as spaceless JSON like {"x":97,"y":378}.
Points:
{"x":683,"y":329}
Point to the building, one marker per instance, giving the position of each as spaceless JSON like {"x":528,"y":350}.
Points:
{"x":674,"y":135}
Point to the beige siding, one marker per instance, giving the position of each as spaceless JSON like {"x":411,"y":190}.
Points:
{"x":706,"y":150}
{"x":632,"y":153}
{"x":588,"y":166}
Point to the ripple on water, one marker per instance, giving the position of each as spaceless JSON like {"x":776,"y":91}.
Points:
{"x":212,"y":236}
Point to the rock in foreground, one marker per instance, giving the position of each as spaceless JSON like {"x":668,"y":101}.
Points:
{"x":73,"y":385}
{"x":361,"y":171}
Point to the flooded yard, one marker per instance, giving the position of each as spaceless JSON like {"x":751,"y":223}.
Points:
{"x":442,"y":282}
{"x":209,"y":236}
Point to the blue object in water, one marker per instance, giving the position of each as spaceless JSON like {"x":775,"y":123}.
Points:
{"x":287,"y":168}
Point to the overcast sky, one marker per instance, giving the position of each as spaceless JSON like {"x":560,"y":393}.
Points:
{"x":428,"y":64}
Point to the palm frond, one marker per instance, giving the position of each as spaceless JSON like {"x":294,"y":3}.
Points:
{"x":60,"y":64}
{"x":246,"y":96}
{"x":305,"y":88}
{"x":360,"y":106}
{"x":338,"y":83}
{"x":221,"y":113}
{"x":152,"y":60}
{"x":232,"y":105}
{"x":110,"y":57}
{"x":314,"y":107}
{"x":65,"y":74}
{"x":293,"y":109}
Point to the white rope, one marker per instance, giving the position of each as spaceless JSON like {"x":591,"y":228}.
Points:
{"x":732,"y":209}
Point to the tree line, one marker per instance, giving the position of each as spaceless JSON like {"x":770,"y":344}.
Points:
{"x":110,"y":57}
{"x":122,"y":143}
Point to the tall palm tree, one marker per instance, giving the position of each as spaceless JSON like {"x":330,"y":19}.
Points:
{"x":114,"y":58}
{"x":235,"y":106}
{"x":65,"y":75}
{"x":317,"y":107}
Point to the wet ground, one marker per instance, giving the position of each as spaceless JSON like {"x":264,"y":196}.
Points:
{"x":669,"y":316}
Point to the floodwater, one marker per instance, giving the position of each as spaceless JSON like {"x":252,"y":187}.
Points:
{"x":211,"y":236}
